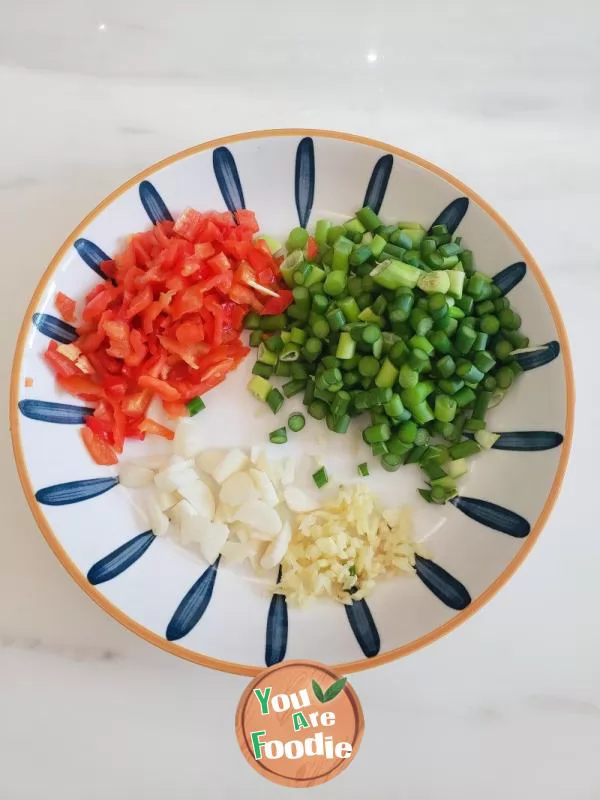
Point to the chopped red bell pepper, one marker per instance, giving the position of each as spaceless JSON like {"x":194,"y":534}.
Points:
{"x":166,"y":323}
{"x":65,"y":306}
{"x":277,"y":305}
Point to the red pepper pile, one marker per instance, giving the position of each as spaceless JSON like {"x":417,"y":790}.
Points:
{"x":165,"y":323}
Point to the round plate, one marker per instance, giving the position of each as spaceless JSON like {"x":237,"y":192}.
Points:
{"x":226,"y":618}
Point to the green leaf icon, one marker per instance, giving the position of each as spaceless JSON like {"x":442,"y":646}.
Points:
{"x":318,"y":692}
{"x":334,"y":690}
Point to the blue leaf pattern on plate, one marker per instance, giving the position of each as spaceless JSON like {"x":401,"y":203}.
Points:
{"x":378,"y":183}
{"x":228,"y":179}
{"x":193,"y":605}
{"x":452,"y":215}
{"x":443,"y":585}
{"x":364,"y":628}
{"x":62,"y":413}
{"x":153,"y":203}
{"x":304,"y":180}
{"x":508,"y":278}
{"x":120,"y":559}
{"x":54,"y":328}
{"x":277,"y":629}
{"x":528,"y":440}
{"x":91,"y":254}
{"x":539,"y":358}
{"x":495,"y":517}
{"x":63,"y":494}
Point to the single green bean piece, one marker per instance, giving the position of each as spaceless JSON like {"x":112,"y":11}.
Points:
{"x":293,"y":387}
{"x":297,"y":239}
{"x":395,"y":407}
{"x":335,"y":283}
{"x":420,"y":321}
{"x":255,"y":338}
{"x":503,"y":349}
{"x":445,"y":408}
{"x":275,"y":400}
{"x":346,"y":346}
{"x":296,"y":422}
{"x":387,"y":375}
{"x":278,"y":436}
{"x":418,"y":360}
{"x":464,"y":397}
{"x":276,"y":322}
{"x":349,"y":308}
{"x":451,"y":385}
{"x":469,"y":372}
{"x":422,"y":413}
{"x":446,"y":366}
{"x":398,"y":353}
{"x":264,"y":370}
{"x":407,"y":377}
{"x":504,"y":377}
{"x":484,"y":361}
{"x":368,"y":218}
{"x":480,"y":342}
{"x":376,"y":433}
{"x":368,"y":366}
{"x":465,"y":339}
{"x":252,"y":321}
{"x":379,"y":448}
{"x":417,"y":394}
{"x":319,"y":325}
{"x":391,"y":462}
{"x":489,"y":324}
{"x":464,"y":449}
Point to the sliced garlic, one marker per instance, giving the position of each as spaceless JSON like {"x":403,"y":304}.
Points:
{"x":166,"y":500}
{"x":174,"y":476}
{"x":234,"y":552}
{"x":157,"y":519}
{"x":265,"y":487}
{"x":234,"y":461}
{"x":237,"y":489}
{"x":260,"y":517}
{"x":209,"y":460}
{"x":200,"y":496}
{"x":134,"y":477}
{"x":213,"y":538}
{"x":181,"y":511}
{"x":225,"y":513}
{"x":276,"y":549}
{"x":298,"y":501}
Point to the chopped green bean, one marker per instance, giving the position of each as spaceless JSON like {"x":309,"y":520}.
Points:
{"x":278,"y":436}
{"x":275,"y":400}
{"x":195,"y":405}
{"x":464,"y":449}
{"x":293,"y":387}
{"x":395,"y":321}
{"x":320,"y":477}
{"x":296,"y":422}
{"x":368,"y":218}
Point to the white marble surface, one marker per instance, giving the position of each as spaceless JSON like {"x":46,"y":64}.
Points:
{"x":506,"y":97}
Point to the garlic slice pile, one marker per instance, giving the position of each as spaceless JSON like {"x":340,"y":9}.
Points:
{"x":227,"y":502}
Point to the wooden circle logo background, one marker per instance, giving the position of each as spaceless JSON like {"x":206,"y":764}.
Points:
{"x":331,"y":725}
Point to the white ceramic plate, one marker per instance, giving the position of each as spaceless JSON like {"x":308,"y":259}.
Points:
{"x":225,"y":618}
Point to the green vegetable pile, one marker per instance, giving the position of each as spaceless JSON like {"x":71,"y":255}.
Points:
{"x":393,"y":322}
